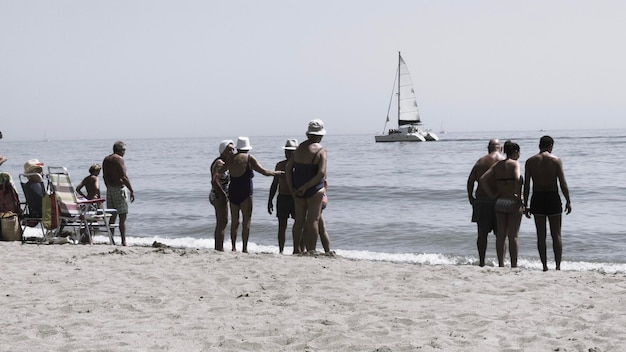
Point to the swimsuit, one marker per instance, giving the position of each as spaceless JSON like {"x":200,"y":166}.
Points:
{"x":285,"y":207}
{"x":241,"y":186}
{"x":116,"y":199}
{"x":484,"y":214}
{"x":546,"y":203}
{"x":302,"y":173}
{"x":508,"y":205}
{"x":224,"y":183}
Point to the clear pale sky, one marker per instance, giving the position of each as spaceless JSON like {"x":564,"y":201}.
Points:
{"x":191,"y":68}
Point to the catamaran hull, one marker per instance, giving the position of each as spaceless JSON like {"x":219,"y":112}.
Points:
{"x":400,"y":137}
{"x":430,"y":136}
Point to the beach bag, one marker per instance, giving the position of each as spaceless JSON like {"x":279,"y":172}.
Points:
{"x":10,"y":226}
{"x":50,"y":210}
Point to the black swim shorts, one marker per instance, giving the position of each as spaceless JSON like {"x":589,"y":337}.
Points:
{"x":546,"y":203}
{"x":285,"y":207}
{"x":483,"y":213}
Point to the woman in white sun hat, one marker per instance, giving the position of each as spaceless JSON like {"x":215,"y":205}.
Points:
{"x":306,"y":172}
{"x":241,"y":167}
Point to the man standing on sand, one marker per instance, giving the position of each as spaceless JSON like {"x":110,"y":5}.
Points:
{"x":285,"y":206}
{"x":483,"y":211}
{"x":544,"y":170}
{"x":118,"y":185}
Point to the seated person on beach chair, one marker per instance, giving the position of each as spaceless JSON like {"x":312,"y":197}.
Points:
{"x":9,"y":200}
{"x":34,"y":190}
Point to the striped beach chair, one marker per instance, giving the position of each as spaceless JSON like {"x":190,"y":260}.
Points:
{"x":85,"y":216}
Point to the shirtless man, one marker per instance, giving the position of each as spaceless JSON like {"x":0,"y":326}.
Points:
{"x":544,"y":170}
{"x":118,"y":185}
{"x":306,"y":172}
{"x":241,"y":167}
{"x":285,"y":206}
{"x":483,"y":212}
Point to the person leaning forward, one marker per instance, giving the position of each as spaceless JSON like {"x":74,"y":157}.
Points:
{"x":116,"y":181}
{"x":483,"y":212}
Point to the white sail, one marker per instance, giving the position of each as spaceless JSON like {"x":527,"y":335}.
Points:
{"x":408,"y":129}
{"x":407,"y":104}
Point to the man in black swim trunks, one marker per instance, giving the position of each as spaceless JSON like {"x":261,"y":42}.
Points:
{"x":483,"y":212}
{"x":543,"y":170}
{"x":285,"y":206}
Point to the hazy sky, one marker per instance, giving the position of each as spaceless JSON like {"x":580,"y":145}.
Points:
{"x":192,"y":68}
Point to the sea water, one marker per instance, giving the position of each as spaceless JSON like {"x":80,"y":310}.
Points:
{"x":400,"y":202}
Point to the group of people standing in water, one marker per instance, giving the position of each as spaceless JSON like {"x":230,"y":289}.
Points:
{"x":299,"y":180}
{"x":502,"y":196}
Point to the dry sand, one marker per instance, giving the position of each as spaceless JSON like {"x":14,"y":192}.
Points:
{"x":107,"y":298}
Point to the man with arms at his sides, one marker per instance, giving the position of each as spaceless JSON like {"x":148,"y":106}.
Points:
{"x":285,"y":206}
{"x":543,"y":170}
{"x":116,"y":181}
{"x":483,"y":212}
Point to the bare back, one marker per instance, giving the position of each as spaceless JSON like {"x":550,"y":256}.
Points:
{"x":482,"y":165}
{"x":307,"y":153}
{"x":544,"y":169}
{"x":238,"y":164}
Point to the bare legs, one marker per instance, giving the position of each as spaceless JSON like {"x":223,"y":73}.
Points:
{"x":508,"y":227}
{"x":481,"y":243}
{"x":122,"y":226}
{"x":282,"y":229}
{"x":308,"y":211}
{"x":221,"y":218}
{"x":555,"y":232}
{"x":323,"y":233}
{"x":246,"y":211}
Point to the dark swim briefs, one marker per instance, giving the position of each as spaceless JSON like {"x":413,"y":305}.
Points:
{"x":546,"y":203}
{"x":285,"y":207}
{"x":483,"y":213}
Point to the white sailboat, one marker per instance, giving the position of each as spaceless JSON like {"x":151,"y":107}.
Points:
{"x":408,"y":115}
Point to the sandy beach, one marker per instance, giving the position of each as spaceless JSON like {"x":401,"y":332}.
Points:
{"x":108,"y":298}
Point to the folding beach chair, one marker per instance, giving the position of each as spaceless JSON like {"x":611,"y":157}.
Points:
{"x":10,"y":211}
{"x":34,"y":191}
{"x":85,"y":216}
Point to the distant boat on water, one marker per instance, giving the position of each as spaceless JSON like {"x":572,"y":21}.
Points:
{"x":409,"y":121}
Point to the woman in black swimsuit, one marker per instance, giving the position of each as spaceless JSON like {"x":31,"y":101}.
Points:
{"x":503,"y":181}
{"x":306,"y":172}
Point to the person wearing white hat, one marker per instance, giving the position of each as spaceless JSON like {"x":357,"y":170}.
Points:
{"x":33,"y":169}
{"x":285,"y":206}
{"x":306,"y":172}
{"x":219,"y":191}
{"x":241,"y":167}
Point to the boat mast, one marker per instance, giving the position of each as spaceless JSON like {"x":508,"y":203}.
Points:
{"x":399,"y":60}
{"x":391,"y":98}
